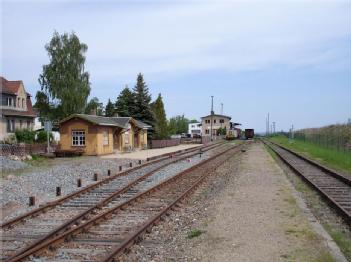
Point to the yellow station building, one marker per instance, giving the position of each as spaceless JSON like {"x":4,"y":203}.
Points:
{"x":98,"y":135}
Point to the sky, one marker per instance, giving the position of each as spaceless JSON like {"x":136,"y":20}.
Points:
{"x":289,"y":58}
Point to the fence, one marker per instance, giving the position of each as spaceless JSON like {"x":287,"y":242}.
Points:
{"x":338,"y":142}
{"x":24,"y":149}
{"x":164,"y":143}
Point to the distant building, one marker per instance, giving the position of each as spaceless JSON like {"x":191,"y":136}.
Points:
{"x":195,"y":129}
{"x":16,"y":108}
{"x":97,"y":135}
{"x":218,"y":121}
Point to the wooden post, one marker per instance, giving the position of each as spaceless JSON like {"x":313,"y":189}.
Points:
{"x":130,"y":164}
{"x":120,"y":168}
{"x":139,"y":162}
{"x":108,"y":172}
{"x":95,"y":177}
{"x":31,"y":201}
{"x":79,"y":182}
{"x":58,"y":191}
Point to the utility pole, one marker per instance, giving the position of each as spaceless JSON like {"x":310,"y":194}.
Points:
{"x":212,"y":113}
{"x":268,"y":124}
{"x":273,"y":127}
{"x":292,"y":132}
{"x":221,"y":108}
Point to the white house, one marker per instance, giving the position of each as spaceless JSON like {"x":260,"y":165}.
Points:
{"x":194,"y":129}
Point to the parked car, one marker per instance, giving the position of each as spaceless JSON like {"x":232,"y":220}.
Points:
{"x":196,"y":136}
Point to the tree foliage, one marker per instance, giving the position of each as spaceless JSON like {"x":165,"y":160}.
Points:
{"x":178,"y":124}
{"x":64,"y":81}
{"x":109,"y":109}
{"x":125,"y":102}
{"x":95,"y":106}
{"x":141,"y":109}
{"x":161,"y":125}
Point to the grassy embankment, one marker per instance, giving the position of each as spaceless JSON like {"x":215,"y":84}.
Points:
{"x":330,"y":157}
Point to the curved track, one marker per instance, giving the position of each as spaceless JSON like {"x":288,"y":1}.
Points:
{"x":31,"y":230}
{"x":334,"y":187}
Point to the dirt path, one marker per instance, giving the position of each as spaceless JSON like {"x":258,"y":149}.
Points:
{"x":257,"y":219}
{"x":246,"y":212}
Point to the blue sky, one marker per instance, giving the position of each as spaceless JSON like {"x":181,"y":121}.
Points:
{"x":291,"y":59}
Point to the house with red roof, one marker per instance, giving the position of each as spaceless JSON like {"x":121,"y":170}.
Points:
{"x":16,"y":108}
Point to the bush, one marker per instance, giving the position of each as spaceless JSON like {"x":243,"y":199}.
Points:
{"x":41,"y":136}
{"x":25,"y":136}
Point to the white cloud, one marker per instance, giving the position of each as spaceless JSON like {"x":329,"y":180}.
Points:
{"x":179,"y":38}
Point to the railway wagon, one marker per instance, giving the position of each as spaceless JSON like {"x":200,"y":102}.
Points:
{"x":249,"y":133}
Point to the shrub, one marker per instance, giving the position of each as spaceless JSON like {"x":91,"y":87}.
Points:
{"x":41,"y":136}
{"x":25,"y":136}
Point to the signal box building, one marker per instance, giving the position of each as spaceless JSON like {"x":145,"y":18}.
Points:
{"x":218,"y":121}
{"x":97,"y":135}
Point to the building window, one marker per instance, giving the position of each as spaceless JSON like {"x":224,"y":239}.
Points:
{"x":78,"y":138}
{"x":28,"y":124}
{"x":22,"y":103}
{"x":21,"y":123}
{"x":105,"y":138}
{"x":9,"y":101}
{"x":214,"y":121}
{"x":221,"y":121}
{"x":10,"y":125}
{"x":207,"y":131}
{"x":18,"y":102}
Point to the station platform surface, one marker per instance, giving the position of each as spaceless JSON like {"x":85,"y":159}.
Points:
{"x":144,"y":154}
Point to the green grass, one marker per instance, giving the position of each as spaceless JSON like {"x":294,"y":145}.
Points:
{"x":195,"y":233}
{"x":341,"y":240}
{"x":329,"y":157}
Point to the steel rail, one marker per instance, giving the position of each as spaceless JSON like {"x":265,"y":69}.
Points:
{"x":334,"y":203}
{"x":56,"y":240}
{"x":145,"y":228}
{"x":52,"y":204}
{"x":83,"y":215}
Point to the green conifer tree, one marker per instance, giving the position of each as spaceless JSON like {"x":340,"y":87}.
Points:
{"x":161,"y":125}
{"x":109,"y":109}
{"x":125,"y":103}
{"x":141,"y":109}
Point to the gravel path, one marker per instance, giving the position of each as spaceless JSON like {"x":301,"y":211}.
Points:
{"x":247,"y":212}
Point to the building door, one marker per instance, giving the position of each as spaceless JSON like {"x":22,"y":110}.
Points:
{"x":117,"y":140}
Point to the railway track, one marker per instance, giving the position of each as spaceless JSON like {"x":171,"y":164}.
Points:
{"x":334,"y":187}
{"x":42,"y":224}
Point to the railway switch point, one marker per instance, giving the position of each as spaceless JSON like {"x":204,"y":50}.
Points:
{"x":31,"y":201}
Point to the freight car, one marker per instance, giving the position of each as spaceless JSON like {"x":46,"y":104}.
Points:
{"x":249,"y":133}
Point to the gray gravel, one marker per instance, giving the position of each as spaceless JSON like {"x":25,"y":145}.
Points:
{"x":8,"y":164}
{"x":16,"y":189}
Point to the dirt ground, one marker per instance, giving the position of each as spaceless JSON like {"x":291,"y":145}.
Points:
{"x":246,"y":212}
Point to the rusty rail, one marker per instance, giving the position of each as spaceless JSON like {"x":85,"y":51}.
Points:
{"x":55,"y":240}
{"x":99,"y":183}
{"x":342,"y":207}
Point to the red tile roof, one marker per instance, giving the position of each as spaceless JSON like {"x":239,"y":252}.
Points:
{"x":9,"y":87}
